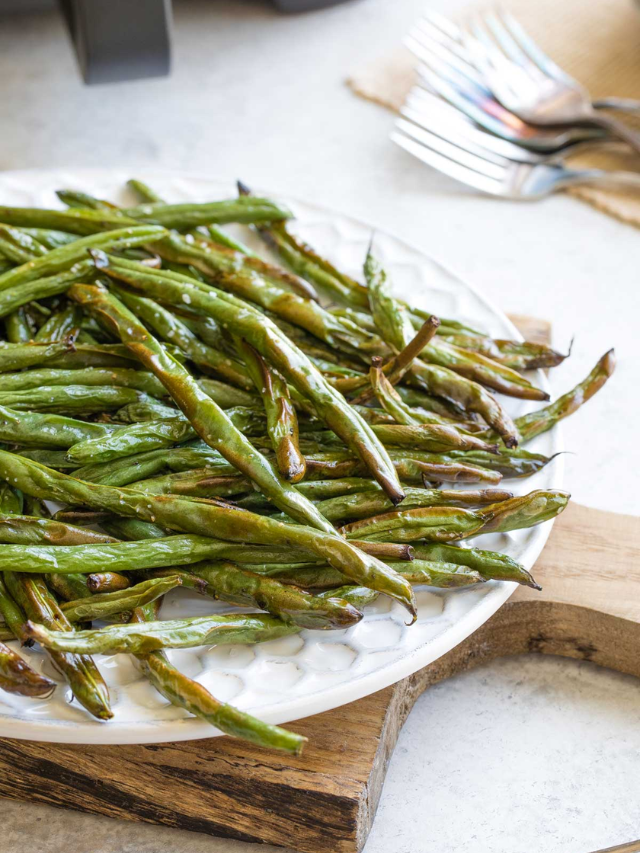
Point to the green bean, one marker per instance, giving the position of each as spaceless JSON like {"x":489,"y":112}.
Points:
{"x":11,"y":500}
{"x":140,"y":412}
{"x":538,"y":422}
{"x":518,"y":355}
{"x":62,"y":259}
{"x":396,"y":367}
{"x":16,"y":529}
{"x":523,"y":511}
{"x":132,"y":528}
{"x":197,"y":516}
{"x":394,"y":320}
{"x":447,"y":411}
{"x":198,"y":483}
{"x":305,"y":262}
{"x":21,"y":530}
{"x":206,"y":417}
{"x":432,"y":438}
{"x":141,"y":466}
{"x":89,"y":355}
{"x":16,"y":676}
{"x":442,"y":575}
{"x":190,"y":215}
{"x":169,"y":634}
{"x":282,"y":423}
{"x":105,"y":604}
{"x":68,"y":587}
{"x":50,"y":239}
{"x":469,"y":395}
{"x":107,"y":582}
{"x":491,"y":565}
{"x":225,"y":395}
{"x":50,"y":458}
{"x":18,"y":326}
{"x":83,"y":676}
{"x":232,"y":273}
{"x":136,"y":438}
{"x":510,"y":463}
{"x":15,"y":297}
{"x":60,"y":325}
{"x":447,"y":327}
{"x":437,"y":524}
{"x":244,"y":258}
{"x":315,"y":490}
{"x":194,"y":698}
{"x":482,"y":369}
{"x":250,"y":420}
{"x":390,"y":316}
{"x":280,"y":353}
{"x":171,"y":329}
{"x":90,"y":221}
{"x":119,"y":556}
{"x":366,"y":504}
{"x":20,"y":247}
{"x":21,"y":356}
{"x":437,"y":574}
{"x":444,"y":524}
{"x":122,"y":377}
{"x":235,"y":584}
{"x":47,"y":430}
{"x":412,"y":467}
{"x":75,"y":198}
{"x":12,"y":614}
{"x":322,"y":577}
{"x":71,"y":399}
{"x":301,"y":258}
{"x":148,"y":195}
{"x":391,"y":401}
{"x":80,"y":221}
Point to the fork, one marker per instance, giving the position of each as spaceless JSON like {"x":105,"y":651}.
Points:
{"x":486,"y":170}
{"x":439,"y":31}
{"x":527,"y":82}
{"x":437,"y":116}
{"x":448,"y":75}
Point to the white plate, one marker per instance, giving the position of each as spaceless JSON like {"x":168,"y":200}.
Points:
{"x":311,"y":672}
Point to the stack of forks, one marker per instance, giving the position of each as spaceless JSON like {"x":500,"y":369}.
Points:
{"x":491,"y":110}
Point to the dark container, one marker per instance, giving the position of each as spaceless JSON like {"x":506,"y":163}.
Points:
{"x":127,"y":39}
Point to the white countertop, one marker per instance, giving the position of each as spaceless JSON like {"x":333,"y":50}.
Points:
{"x":536,"y":754}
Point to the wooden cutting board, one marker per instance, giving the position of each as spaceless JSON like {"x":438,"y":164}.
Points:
{"x":325,"y":801}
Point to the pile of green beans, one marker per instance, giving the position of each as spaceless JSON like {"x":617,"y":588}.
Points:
{"x":282,"y":438}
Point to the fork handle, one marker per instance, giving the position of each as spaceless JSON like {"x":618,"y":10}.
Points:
{"x":597,"y":178}
{"x":623,"y":105}
{"x":616,"y":128}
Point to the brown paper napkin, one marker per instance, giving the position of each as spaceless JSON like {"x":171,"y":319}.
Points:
{"x":596,"y":41}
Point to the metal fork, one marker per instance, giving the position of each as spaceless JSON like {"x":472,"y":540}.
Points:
{"x":446,"y":72}
{"x":442,"y":31}
{"x":437,"y":116}
{"x":486,"y":170}
{"x":527,"y":82}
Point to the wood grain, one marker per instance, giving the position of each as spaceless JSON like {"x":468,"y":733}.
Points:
{"x":325,"y":801}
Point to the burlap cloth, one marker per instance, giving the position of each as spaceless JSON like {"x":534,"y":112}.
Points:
{"x":596,"y":41}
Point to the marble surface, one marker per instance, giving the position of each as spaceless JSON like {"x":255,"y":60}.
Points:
{"x":530,"y":749}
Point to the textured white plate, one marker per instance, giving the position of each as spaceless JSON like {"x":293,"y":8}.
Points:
{"x":311,"y":672}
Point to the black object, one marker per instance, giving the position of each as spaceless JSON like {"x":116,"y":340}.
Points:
{"x":120,"y":39}
{"x":127,"y":39}
{"x":304,"y":5}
